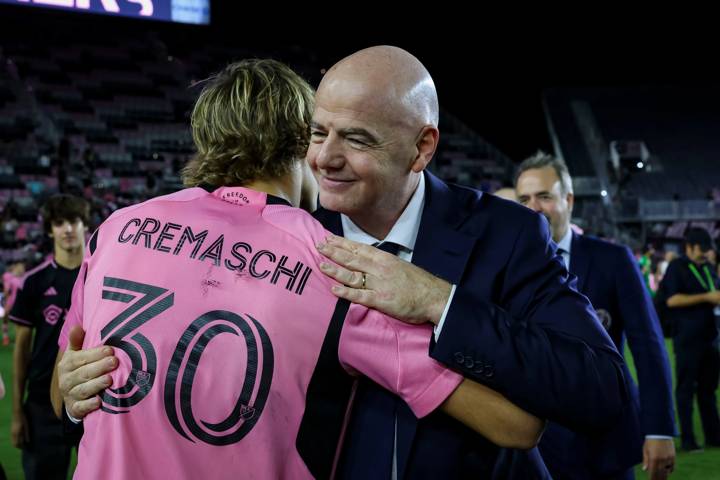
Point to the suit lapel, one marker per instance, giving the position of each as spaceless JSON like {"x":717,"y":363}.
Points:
{"x":441,"y":248}
{"x":579,"y":260}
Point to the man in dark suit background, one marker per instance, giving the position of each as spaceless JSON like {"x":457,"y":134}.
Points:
{"x":483,"y":270}
{"x":608,"y":275}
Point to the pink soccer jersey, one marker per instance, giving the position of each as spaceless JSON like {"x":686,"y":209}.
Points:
{"x":230,"y":342}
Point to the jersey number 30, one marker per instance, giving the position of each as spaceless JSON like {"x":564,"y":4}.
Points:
{"x":122,"y":333}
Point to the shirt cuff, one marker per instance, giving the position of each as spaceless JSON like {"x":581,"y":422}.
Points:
{"x":658,"y":437}
{"x":72,"y":419}
{"x":439,"y":326}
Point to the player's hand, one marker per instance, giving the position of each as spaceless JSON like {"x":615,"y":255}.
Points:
{"x":83,"y":374}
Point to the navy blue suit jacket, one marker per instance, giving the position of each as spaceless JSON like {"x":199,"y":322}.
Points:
{"x":515,"y":324}
{"x":609,"y":276}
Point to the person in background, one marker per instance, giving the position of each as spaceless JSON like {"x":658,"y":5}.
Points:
{"x":38,"y":313}
{"x":608,"y":275}
{"x":690,"y":287}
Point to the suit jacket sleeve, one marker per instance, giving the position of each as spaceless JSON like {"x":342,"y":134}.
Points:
{"x":540,"y":344}
{"x":642,"y":329}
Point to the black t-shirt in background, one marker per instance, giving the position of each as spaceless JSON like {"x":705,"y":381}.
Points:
{"x":41,"y":304}
{"x":693,"y":324}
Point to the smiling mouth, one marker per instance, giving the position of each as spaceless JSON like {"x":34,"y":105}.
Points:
{"x":332,"y":182}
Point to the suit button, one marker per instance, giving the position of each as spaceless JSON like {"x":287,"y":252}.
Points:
{"x":459,"y":358}
{"x":489,"y":371}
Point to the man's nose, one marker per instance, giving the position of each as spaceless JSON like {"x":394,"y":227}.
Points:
{"x":330,"y":154}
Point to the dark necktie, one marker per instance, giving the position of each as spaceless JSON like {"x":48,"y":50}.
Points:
{"x":370,"y":440}
{"x":562,"y":252}
{"x":389,"y":247}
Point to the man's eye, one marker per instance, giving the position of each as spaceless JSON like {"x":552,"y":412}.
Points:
{"x":317,"y":135}
{"x":356,"y":141}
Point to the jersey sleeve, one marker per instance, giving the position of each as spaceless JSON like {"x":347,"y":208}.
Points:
{"x":395,"y":355}
{"x":22,"y":309}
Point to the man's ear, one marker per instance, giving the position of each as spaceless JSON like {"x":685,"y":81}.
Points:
{"x":426,"y":145}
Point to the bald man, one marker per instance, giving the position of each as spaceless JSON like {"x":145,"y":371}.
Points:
{"x":482,"y":270}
